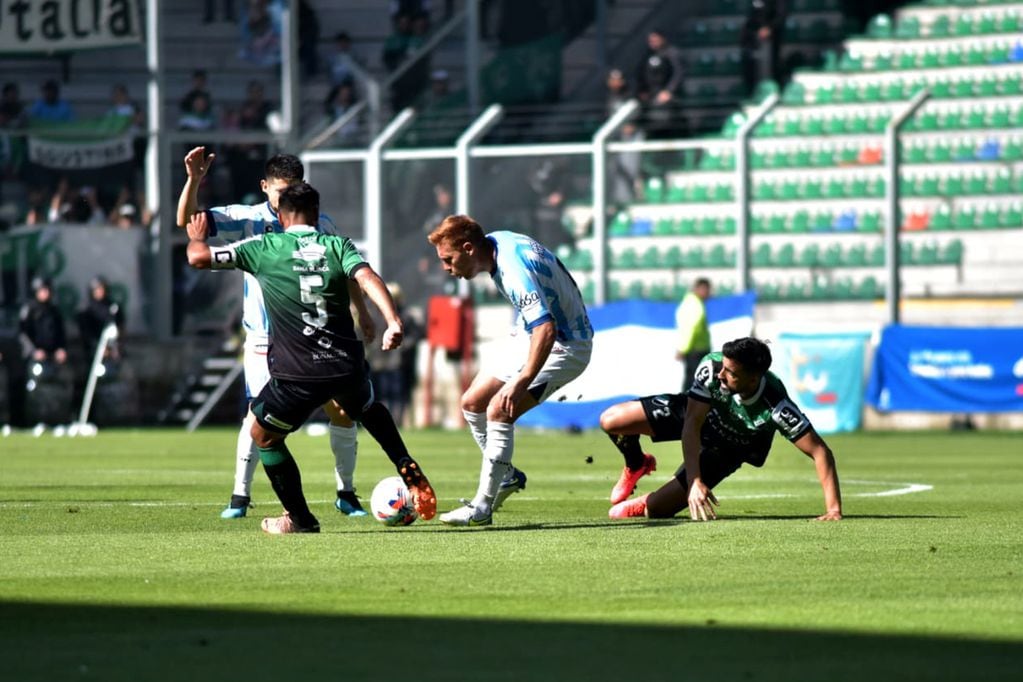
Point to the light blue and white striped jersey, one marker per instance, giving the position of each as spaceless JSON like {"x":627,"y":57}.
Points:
{"x":539,"y":286}
{"x":240,"y":221}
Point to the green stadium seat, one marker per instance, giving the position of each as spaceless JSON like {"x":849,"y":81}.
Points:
{"x":1013,"y":149}
{"x":964,"y":218}
{"x":964,"y":25}
{"x":625,"y":259}
{"x":940,"y":27}
{"x":728,"y":225}
{"x":653,"y":191}
{"x":785,"y":256}
{"x":831,"y":257}
{"x":927,"y":254}
{"x":868,"y":289}
{"x":717,"y":257}
{"x":876,"y":258}
{"x":999,"y":117}
{"x":664,"y":227}
{"x":908,"y":28}
{"x":907,"y":252}
{"x":952,"y":253}
{"x":761,"y":256}
{"x":636,"y":290}
{"x":941,"y":219}
{"x":659,"y":291}
{"x":809,"y":256}
{"x":650,"y":259}
{"x":870,"y":221}
{"x":1002,"y":182}
{"x":686,"y":226}
{"x":856,"y":256}
{"x":989,"y":217}
{"x":800,"y":221}
{"x":880,"y":27}
{"x":621,"y":226}
{"x":1011,"y":217}
{"x":776,"y":223}
{"x":693,"y":257}
{"x":672,"y":258}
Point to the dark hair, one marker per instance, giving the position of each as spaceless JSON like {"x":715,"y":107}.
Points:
{"x":284,"y":167}
{"x":752,"y":354}
{"x":300,"y":199}
{"x":40,"y":282}
{"x":701,"y":282}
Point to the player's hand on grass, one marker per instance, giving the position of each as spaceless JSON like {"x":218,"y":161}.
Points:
{"x":393,"y":336}
{"x":197,"y":163}
{"x":830,"y":516}
{"x":198,"y":227}
{"x":701,"y":502}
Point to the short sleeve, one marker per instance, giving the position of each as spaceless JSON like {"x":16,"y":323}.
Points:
{"x":243,"y":255}
{"x":790,"y":420}
{"x":702,"y":379}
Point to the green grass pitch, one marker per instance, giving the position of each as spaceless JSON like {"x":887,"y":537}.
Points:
{"x":114,"y":565}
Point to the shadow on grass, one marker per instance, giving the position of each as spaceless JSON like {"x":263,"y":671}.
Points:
{"x":56,"y":642}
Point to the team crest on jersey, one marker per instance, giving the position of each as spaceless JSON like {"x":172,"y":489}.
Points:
{"x":309,"y":250}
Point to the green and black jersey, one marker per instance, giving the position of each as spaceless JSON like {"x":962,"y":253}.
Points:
{"x":304,"y":276}
{"x":745,"y":425}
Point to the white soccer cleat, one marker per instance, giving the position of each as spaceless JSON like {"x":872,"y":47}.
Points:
{"x":467,"y":515}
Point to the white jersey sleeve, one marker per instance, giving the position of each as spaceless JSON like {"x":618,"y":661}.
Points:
{"x":539,"y":286}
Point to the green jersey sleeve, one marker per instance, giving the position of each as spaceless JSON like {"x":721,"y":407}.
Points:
{"x":346,"y":253}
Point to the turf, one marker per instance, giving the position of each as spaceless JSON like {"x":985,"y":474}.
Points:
{"x":114,"y":565}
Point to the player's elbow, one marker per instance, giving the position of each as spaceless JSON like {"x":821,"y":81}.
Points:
{"x":198,"y":255}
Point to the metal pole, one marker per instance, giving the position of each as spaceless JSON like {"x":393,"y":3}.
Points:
{"x":742,"y":193}
{"x":599,"y":180}
{"x":289,"y":73}
{"x":893,"y":292}
{"x":158,"y":199}
{"x":374,"y":179}
{"x":472,"y":54}
{"x":476,"y":130}
{"x":109,"y":334}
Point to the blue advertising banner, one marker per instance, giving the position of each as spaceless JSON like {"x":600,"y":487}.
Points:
{"x":824,"y":376}
{"x":948,"y":369}
{"x":634,"y":355}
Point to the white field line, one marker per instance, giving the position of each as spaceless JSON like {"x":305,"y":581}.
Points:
{"x":903,"y":489}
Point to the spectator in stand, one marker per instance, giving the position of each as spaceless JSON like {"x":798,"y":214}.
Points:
{"x":659,"y":83}
{"x":339,"y":102}
{"x":246,"y":161}
{"x":99,"y":312}
{"x":41,"y":327}
{"x":210,"y":10}
{"x":261,"y":34}
{"x":308,"y":39}
{"x":397,"y":7}
{"x":200,"y":88}
{"x":71,"y":205}
{"x":549,"y":180}
{"x":125,"y":213}
{"x":50,"y":108}
{"x":397,"y":48}
{"x":438,"y":95}
{"x":200,"y":116}
{"x":12,"y":107}
{"x":761,"y":40}
{"x":344,"y":64}
{"x":12,"y":146}
{"x":625,"y":166}
{"x":122,"y":106}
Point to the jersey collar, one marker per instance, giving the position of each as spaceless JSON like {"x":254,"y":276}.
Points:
{"x":755,"y":397}
{"x":301,"y":228}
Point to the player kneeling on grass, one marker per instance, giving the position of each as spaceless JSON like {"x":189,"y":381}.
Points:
{"x":726,"y":419}
{"x":314,"y":353}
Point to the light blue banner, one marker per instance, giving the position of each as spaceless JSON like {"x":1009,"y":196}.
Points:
{"x":948,"y":369}
{"x":824,"y":375}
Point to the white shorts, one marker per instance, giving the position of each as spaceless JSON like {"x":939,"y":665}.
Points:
{"x":564,"y":364}
{"x":257,"y":370}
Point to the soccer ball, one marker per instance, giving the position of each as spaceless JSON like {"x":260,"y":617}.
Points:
{"x":391,"y":503}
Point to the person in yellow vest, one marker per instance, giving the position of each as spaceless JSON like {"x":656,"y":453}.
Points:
{"x":693,"y":330}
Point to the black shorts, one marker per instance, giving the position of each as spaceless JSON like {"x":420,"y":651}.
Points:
{"x":283,"y":405}
{"x":665,"y":414}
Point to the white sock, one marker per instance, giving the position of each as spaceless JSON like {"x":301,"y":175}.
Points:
{"x":496,"y":464}
{"x":477,"y":422}
{"x":344,"y":445}
{"x":246,"y":459}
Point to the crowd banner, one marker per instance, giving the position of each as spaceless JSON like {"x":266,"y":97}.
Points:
{"x":82,"y":145}
{"x":634,"y":355}
{"x":948,"y":369}
{"x":824,"y":375}
{"x":46,"y":26}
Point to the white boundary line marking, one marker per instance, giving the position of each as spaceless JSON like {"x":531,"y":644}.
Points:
{"x":905,"y":488}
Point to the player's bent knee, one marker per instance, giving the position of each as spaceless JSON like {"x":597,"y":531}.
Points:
{"x":609,"y":421}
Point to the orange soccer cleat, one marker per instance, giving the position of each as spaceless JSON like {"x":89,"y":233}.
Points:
{"x":629,"y":478}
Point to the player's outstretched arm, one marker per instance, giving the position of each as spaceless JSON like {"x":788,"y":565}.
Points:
{"x":367,"y":325}
{"x":377,"y":292}
{"x":197,"y":164}
{"x":198,"y":251}
{"x":824,"y":460}
{"x":701,"y":499}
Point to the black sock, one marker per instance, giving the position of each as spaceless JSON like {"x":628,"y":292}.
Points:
{"x":380,"y":424}
{"x":629,"y":447}
{"x":286,"y":481}
{"x":239,"y":501}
